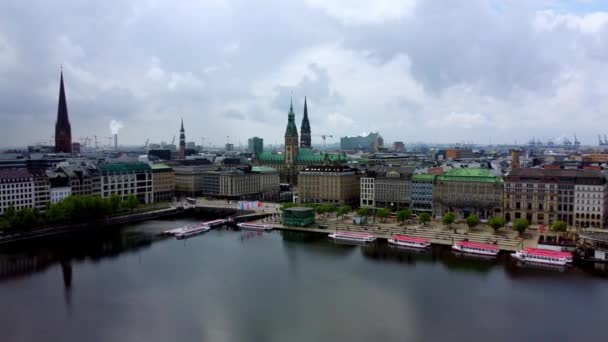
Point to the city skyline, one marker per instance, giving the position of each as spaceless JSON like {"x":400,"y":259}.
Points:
{"x":535,"y":70}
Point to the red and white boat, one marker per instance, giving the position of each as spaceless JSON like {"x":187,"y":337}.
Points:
{"x":409,"y":241}
{"x":254,"y":226}
{"x":543,"y":256}
{"x":476,"y":248}
{"x":352,"y":237}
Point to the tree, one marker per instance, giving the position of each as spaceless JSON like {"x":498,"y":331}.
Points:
{"x":448,"y":219}
{"x":559,"y":227}
{"x":496,"y":222}
{"x":472,"y":221}
{"x":404,"y":214}
{"x":363,"y":212}
{"x":343,"y":210}
{"x":424,"y":218}
{"x":520,"y":225}
{"x":131,"y":202}
{"x":383,"y":213}
{"x":115,"y":203}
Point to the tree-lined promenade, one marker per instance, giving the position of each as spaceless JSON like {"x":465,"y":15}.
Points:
{"x":72,"y":210}
{"x":446,"y":230}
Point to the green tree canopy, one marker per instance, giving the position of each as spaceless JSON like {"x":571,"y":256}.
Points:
{"x":343,"y":210}
{"x":472,"y":221}
{"x":383,"y":213}
{"x":363,"y":212}
{"x":496,"y":222}
{"x":448,"y":218}
{"x":559,"y":227}
{"x":521,"y":225}
{"x":424,"y":218}
{"x":404,"y":214}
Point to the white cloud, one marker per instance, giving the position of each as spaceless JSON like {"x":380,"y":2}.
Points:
{"x":591,"y":23}
{"x":460,"y":120}
{"x":363,"y":11}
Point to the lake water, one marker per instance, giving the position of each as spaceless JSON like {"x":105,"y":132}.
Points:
{"x":132,"y":285}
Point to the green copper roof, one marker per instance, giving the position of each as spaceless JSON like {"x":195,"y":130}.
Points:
{"x":124,"y":167}
{"x":161,"y":167}
{"x":263,"y":169}
{"x":291,"y":123}
{"x":423,"y":177}
{"x":305,"y":156}
{"x":470,"y":175}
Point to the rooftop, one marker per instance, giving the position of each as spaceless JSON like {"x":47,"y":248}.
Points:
{"x":160,"y":167}
{"x":14,"y":173}
{"x":470,"y":175}
{"x":263,"y":169}
{"x":424,"y":177}
{"x":300,"y":209}
{"x":124,"y":167}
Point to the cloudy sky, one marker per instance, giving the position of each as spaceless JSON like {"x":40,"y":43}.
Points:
{"x":436,"y":71}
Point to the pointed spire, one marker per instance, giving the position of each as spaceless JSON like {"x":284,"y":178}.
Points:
{"x":305,"y":109}
{"x":291,"y":105}
{"x":305,"y":137}
{"x":63,"y":130}
{"x":182,"y":129}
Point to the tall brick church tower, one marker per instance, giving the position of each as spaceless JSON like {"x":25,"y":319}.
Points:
{"x":63,"y":130}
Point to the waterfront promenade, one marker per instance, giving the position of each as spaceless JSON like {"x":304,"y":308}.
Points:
{"x":436,"y":233}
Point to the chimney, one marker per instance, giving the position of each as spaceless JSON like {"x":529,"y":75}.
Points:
{"x":116,"y":142}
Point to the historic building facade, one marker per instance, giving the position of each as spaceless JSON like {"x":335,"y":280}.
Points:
{"x":335,"y":184}
{"x":295,"y":158}
{"x":543,"y":196}
{"x":163,"y":182}
{"x":386,"y":187}
{"x":468,"y":191}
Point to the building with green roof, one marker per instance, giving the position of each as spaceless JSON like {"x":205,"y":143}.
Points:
{"x":298,"y":216}
{"x":124,"y":179}
{"x":468,"y":191}
{"x":296,"y":158}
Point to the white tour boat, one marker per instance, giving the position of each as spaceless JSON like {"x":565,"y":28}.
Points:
{"x":254,"y":226}
{"x":476,"y":248}
{"x":408,"y":241}
{"x":352,"y":237}
{"x":192,"y":230}
{"x":543,"y":256}
{"x":214,"y":223}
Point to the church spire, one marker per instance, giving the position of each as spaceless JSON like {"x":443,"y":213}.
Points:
{"x":182,"y":142}
{"x":63,"y":130}
{"x":305,"y":137}
{"x":292,"y":130}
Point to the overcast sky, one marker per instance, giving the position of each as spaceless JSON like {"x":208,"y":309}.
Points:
{"x":414,"y":70}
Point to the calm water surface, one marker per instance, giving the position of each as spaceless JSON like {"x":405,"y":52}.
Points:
{"x":132,"y":285}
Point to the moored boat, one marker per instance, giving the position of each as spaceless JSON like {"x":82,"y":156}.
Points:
{"x":254,"y":226}
{"x":352,"y":237}
{"x":409,"y":241}
{"x":476,"y":248}
{"x":543,"y":256}
{"x":214,"y":223}
{"x":191,"y":231}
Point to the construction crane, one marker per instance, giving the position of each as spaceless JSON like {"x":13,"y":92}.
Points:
{"x":324,"y":137}
{"x":96,"y":145}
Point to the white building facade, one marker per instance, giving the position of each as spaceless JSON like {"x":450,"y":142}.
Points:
{"x":16,"y":189}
